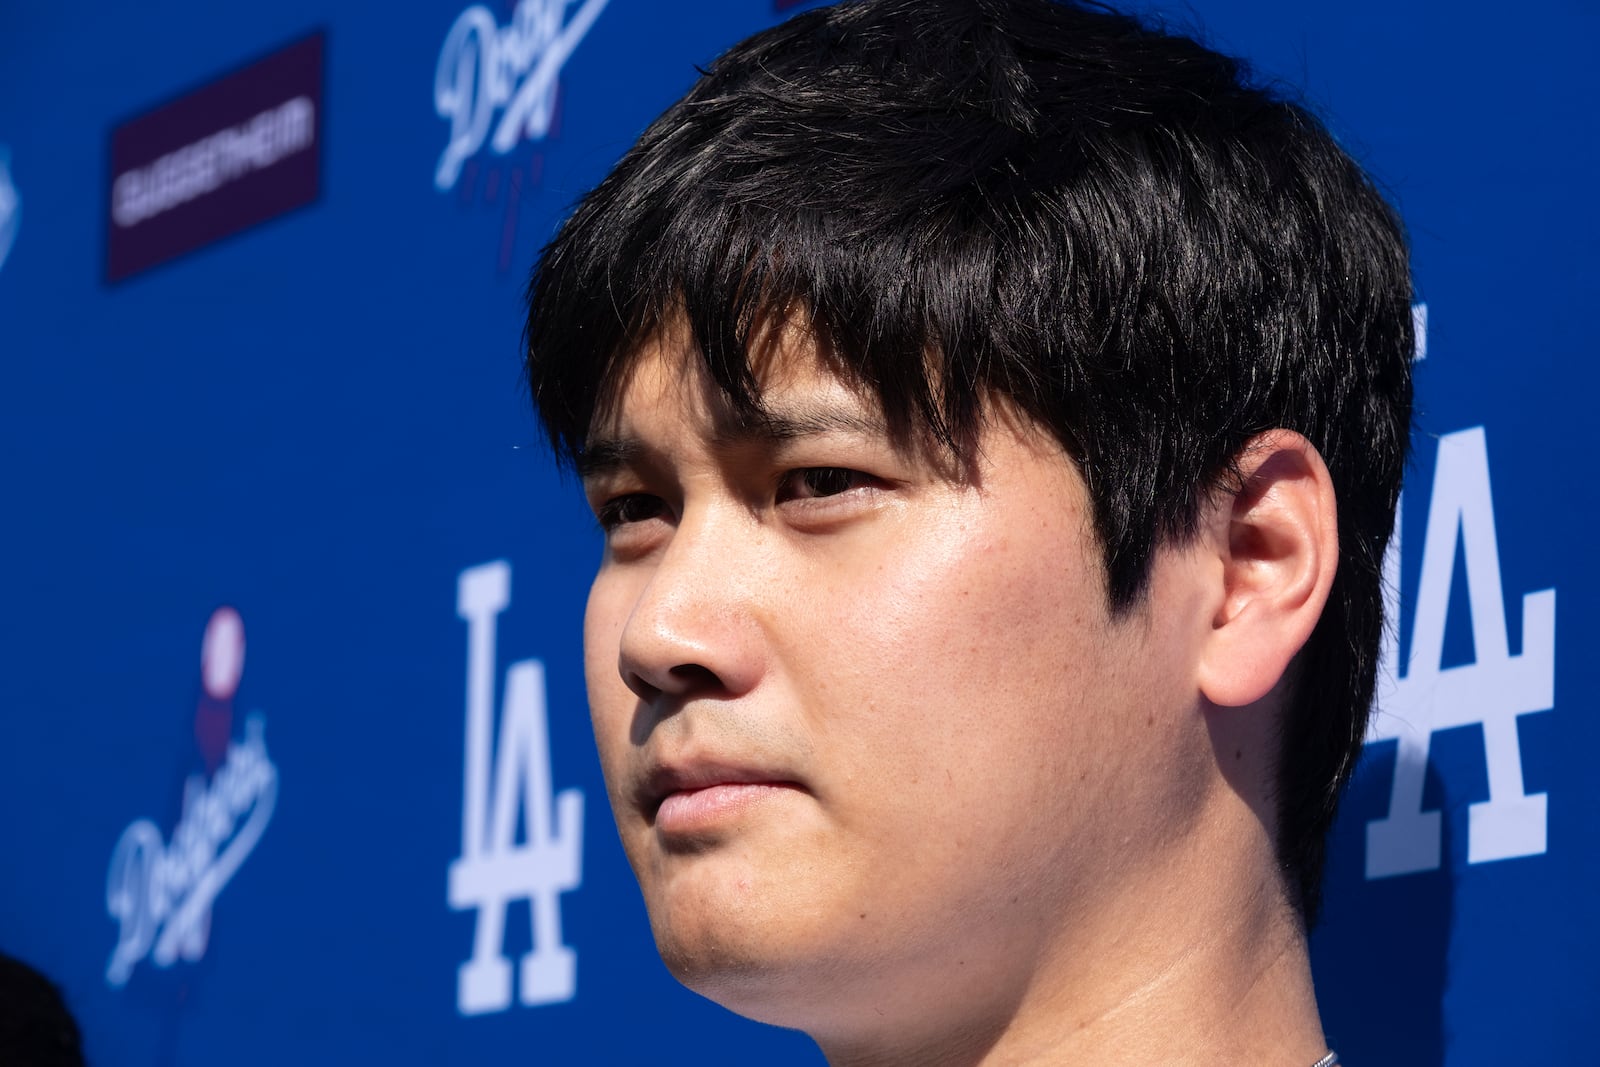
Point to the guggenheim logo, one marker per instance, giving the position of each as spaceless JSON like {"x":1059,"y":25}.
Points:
{"x":228,"y":156}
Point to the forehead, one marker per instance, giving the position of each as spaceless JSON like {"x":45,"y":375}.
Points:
{"x":795,"y":384}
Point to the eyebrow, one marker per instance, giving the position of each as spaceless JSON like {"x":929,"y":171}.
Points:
{"x":789,"y":423}
{"x":606,"y":456}
{"x":767,"y":425}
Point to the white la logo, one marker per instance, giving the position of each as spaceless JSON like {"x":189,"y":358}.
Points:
{"x":494,"y":870}
{"x":1493,"y":690}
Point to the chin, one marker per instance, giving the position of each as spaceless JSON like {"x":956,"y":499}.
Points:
{"x":749,"y":956}
{"x":751,"y":980}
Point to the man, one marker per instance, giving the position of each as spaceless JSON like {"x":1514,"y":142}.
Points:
{"x":995,"y":410}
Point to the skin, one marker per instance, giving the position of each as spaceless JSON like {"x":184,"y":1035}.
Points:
{"x":887,"y":767}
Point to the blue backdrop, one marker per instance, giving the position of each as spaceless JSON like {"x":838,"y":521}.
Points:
{"x":244,"y":814}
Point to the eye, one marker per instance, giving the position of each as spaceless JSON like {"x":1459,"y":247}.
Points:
{"x":813,"y":482}
{"x":630,"y":508}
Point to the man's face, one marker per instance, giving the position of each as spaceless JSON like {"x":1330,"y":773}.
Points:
{"x":870,"y":733}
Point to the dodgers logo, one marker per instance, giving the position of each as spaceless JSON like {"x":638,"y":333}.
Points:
{"x":503,"y":78}
{"x":1493,"y":691}
{"x":10,"y":206}
{"x":494,"y":869}
{"x":162,"y":892}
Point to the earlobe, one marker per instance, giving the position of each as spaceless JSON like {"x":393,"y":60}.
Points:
{"x":1278,"y":542}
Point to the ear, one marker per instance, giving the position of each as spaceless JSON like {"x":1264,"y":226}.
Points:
{"x":1278,"y":542}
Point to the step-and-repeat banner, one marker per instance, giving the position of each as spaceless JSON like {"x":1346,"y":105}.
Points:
{"x":294,"y":758}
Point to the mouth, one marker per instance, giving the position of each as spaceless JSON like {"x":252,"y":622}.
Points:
{"x":695,"y":796}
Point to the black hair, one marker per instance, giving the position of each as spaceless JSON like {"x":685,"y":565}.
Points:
{"x":36,"y":1027}
{"x":1106,"y":224}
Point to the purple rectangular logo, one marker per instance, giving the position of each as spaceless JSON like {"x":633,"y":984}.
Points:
{"x":221,"y":159}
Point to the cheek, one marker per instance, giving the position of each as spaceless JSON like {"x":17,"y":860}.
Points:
{"x":602,"y":628}
{"x":961,"y":684}
{"x":967,"y":648}
{"x":611,"y":703}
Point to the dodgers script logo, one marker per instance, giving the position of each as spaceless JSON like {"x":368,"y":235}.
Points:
{"x":494,"y":870}
{"x":504,"y":77}
{"x":162,"y":892}
{"x":10,"y":206}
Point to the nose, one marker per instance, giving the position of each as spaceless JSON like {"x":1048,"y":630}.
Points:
{"x":695,"y":628}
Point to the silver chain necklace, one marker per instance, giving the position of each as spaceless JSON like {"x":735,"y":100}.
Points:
{"x":1330,"y":1060}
